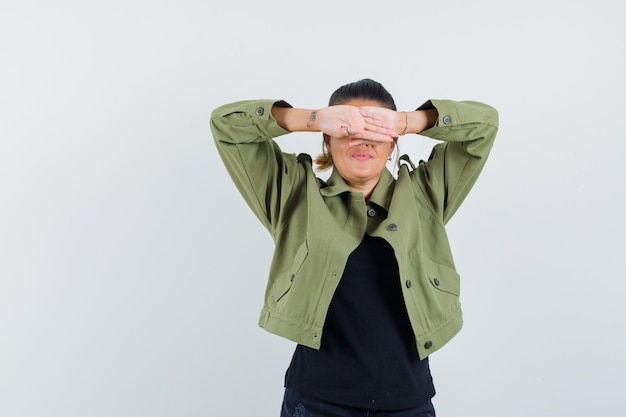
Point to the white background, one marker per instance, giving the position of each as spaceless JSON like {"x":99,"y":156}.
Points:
{"x":132,"y":272}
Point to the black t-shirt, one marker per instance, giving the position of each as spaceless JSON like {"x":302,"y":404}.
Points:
{"x":368,"y":357}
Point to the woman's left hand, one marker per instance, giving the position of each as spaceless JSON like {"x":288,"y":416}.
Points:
{"x":390,"y":117}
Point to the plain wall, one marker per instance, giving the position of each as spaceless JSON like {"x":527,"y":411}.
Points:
{"x":132,"y":273}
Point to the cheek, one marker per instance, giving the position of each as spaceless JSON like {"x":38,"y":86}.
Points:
{"x":334,"y":148}
{"x":386,"y":151}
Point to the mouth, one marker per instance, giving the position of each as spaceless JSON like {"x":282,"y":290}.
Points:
{"x":361,"y":156}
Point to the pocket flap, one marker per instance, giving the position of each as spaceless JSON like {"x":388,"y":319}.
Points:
{"x":444,"y":278}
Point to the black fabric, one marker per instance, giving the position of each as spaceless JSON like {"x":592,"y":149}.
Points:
{"x":368,"y":357}
{"x":297,"y":404}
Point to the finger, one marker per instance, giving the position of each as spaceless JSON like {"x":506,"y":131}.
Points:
{"x":382,"y":130}
{"x":371,"y":115}
{"x":373,"y":112}
{"x":373,"y":121}
{"x":378,"y":116}
{"x":352,"y":130}
{"x":379,"y":124}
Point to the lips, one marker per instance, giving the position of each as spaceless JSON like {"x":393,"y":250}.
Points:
{"x":361,"y":156}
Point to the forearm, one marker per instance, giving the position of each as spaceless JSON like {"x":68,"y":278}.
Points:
{"x":296,"y":120}
{"x":335,"y":121}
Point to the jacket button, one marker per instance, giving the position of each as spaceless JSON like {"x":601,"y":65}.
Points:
{"x":392,"y":227}
{"x":371,"y":212}
{"x":436,"y":281}
{"x":408,"y":283}
{"x":428,"y":345}
{"x":446,"y":120}
{"x":259,"y":111}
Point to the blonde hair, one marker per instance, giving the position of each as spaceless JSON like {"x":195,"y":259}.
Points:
{"x":324,"y":160}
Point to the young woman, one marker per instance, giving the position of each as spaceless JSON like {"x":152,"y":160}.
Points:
{"x":362,"y":279}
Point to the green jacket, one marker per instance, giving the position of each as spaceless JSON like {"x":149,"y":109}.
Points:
{"x":316,"y":224}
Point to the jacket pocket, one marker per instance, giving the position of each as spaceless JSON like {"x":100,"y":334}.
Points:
{"x":443,"y":278}
{"x":289,"y":277}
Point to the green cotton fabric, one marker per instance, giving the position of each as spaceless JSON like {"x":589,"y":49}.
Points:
{"x":316,"y":224}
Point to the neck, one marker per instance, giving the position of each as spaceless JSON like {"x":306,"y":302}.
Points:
{"x":367,"y":188}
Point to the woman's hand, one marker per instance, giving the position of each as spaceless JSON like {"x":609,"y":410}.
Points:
{"x":343,"y":121}
{"x":402,"y":122}
{"x":396,"y":120}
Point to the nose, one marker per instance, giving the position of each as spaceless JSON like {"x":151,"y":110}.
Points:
{"x":360,"y":142}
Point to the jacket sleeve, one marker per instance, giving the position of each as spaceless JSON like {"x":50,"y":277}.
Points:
{"x":264,"y":175}
{"x":467,"y":130}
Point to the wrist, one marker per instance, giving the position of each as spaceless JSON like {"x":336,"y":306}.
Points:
{"x":296,"y":120}
{"x":312,"y":124}
{"x":406,"y":124}
{"x":401,"y":124}
{"x":420,"y":120}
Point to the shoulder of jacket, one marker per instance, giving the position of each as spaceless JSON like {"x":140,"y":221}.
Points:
{"x":406,"y":161}
{"x":304,"y":157}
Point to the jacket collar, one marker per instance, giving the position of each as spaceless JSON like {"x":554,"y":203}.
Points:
{"x":384,"y":190}
{"x":381,"y":195}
